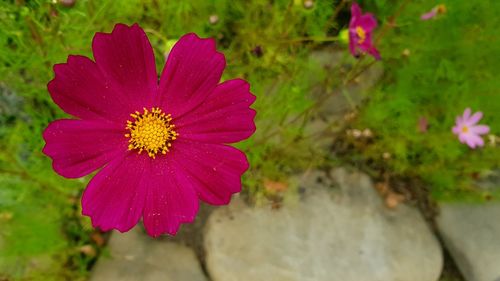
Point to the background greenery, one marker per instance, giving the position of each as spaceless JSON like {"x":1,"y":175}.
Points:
{"x":451,"y":66}
{"x":432,"y":70}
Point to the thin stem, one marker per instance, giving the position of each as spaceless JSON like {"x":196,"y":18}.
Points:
{"x":305,"y":112}
{"x":391,"y":22}
{"x":303,"y":39}
{"x":23,"y":174}
{"x":27,"y":177}
{"x":357,"y":74}
{"x":156,"y":33}
{"x":335,"y":14}
{"x":347,"y":96}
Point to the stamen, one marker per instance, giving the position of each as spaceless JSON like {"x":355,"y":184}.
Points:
{"x":151,"y":131}
{"x":361,"y":34}
{"x":465,"y":129}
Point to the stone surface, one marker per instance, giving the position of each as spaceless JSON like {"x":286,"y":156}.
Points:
{"x":135,"y":256}
{"x":339,"y":230}
{"x":472,"y":235}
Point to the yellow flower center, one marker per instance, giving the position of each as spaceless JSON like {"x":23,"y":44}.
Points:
{"x":151,"y":131}
{"x":465,"y":129}
{"x":361,"y":34}
{"x":441,"y":9}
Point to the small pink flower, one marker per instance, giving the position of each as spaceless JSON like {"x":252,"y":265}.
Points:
{"x":429,"y":15}
{"x":360,"y":32}
{"x":439,"y":9}
{"x":423,"y":124}
{"x":160,"y":145}
{"x":467,"y":129}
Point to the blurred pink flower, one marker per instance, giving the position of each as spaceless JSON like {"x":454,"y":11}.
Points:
{"x":467,"y":129}
{"x":360,"y":32}
{"x":423,"y":124}
{"x":429,"y":15}
{"x":160,"y":145}
{"x":439,"y":9}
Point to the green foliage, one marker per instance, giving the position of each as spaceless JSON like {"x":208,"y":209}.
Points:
{"x":33,"y":233}
{"x":452,"y":65}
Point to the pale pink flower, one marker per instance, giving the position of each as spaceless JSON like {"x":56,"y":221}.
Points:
{"x":438,"y":10}
{"x":423,"y":124}
{"x":467,"y":129}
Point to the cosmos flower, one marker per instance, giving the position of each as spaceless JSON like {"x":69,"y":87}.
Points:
{"x":467,"y":129}
{"x":438,"y":10}
{"x":160,"y":145}
{"x":360,"y":32}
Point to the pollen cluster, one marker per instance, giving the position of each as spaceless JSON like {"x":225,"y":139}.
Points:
{"x":361,"y":34}
{"x":151,"y":131}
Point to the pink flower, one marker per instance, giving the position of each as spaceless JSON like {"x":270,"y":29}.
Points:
{"x":360,"y":32}
{"x":423,"y":124}
{"x":439,"y":9}
{"x":467,"y":130}
{"x":429,"y":15}
{"x":162,"y":144}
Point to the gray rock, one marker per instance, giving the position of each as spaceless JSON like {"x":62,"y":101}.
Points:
{"x":343,"y":233}
{"x":135,"y":256}
{"x":472,"y":235}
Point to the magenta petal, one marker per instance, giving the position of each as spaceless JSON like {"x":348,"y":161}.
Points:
{"x":355,"y":11}
{"x":126,"y":58}
{"x":368,"y":43}
{"x":78,"y":147}
{"x":224,"y":117}
{"x":474,"y":118}
{"x":456,"y":129}
{"x":81,"y":90}
{"x":115,"y":197}
{"x":171,"y":199}
{"x":374,"y":52}
{"x":215,"y":170}
{"x":367,"y":22}
{"x":192,"y":72}
{"x":480,"y":129}
{"x":368,"y":47}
